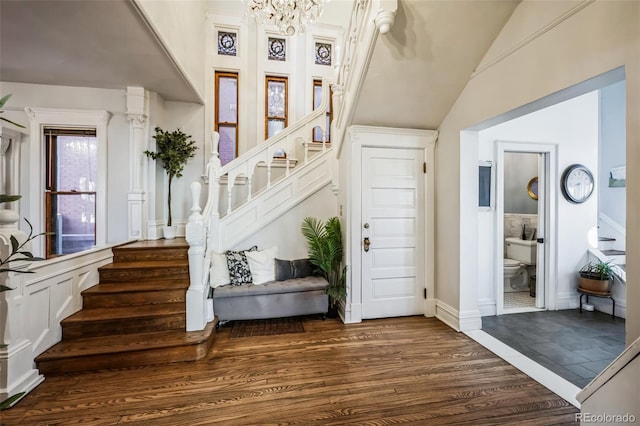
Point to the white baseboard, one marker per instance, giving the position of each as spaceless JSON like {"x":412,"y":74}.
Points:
{"x":487,"y":307}
{"x":447,"y":315}
{"x":352,"y":314}
{"x":567,"y":301}
{"x":470,"y":320}
{"x":430,"y":308}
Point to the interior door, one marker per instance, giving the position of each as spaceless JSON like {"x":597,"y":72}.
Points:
{"x":392,"y":232}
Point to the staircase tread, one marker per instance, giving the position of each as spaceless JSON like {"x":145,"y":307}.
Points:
{"x":123,"y":312}
{"x":102,"y":345}
{"x":138,"y":286}
{"x":145,"y":264}
{"x":606,"y":239}
{"x":613,"y":252}
{"x":155,"y":244}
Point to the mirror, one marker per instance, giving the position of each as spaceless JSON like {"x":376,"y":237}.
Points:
{"x":532,"y":188}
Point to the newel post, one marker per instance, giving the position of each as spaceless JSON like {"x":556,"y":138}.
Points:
{"x":197,"y":306}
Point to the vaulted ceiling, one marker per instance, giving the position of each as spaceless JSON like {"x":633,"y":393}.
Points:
{"x":421,"y":66}
{"x":417,"y":71}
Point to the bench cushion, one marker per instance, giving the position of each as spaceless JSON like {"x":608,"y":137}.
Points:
{"x":273,"y":287}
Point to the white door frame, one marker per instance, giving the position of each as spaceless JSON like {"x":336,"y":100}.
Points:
{"x":550,"y":278}
{"x":385,"y":137}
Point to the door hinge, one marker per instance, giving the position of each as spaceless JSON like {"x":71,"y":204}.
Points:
{"x":424,"y":167}
{"x":425,"y":294}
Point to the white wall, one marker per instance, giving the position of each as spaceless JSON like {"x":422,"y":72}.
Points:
{"x":544,"y":48}
{"x":113,"y":101}
{"x":285,"y":232}
{"x":612,"y":201}
{"x":180,"y":24}
{"x":252,"y":65}
{"x":573,"y":126}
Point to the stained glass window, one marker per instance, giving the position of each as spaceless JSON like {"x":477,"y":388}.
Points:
{"x":277,"y":49}
{"x":323,"y":54}
{"x":275,"y":105}
{"x":227,"y":43}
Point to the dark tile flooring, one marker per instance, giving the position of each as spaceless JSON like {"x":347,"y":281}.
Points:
{"x":575,"y":346}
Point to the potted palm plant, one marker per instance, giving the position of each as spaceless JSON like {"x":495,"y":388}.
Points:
{"x":173,"y":149}
{"x":325,"y":253}
{"x":596,"y":276}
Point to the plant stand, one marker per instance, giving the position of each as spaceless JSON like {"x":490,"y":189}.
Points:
{"x":584,"y":292}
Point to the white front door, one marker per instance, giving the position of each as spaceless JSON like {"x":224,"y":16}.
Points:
{"x":392,"y":232}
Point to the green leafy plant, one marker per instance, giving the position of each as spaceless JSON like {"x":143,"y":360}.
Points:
{"x":173,"y":149}
{"x":2,"y":102}
{"x":7,"y":403}
{"x":18,"y":251}
{"x":325,"y":252}
{"x":597,"y":271}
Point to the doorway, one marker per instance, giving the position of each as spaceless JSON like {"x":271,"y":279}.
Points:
{"x":523,"y":226}
{"x":395,"y":277}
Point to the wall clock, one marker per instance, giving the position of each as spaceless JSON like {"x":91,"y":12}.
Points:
{"x":577,"y":183}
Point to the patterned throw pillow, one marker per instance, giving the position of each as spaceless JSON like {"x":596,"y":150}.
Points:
{"x":239,"y":272}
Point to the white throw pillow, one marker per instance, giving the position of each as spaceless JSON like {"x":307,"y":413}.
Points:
{"x":262,"y":265}
{"x":219,"y":273}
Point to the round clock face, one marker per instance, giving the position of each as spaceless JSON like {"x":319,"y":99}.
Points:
{"x":577,"y":183}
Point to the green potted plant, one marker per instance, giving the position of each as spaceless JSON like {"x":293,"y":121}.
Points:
{"x":325,"y":253}
{"x":173,"y":149}
{"x":2,"y":102}
{"x":596,"y":276}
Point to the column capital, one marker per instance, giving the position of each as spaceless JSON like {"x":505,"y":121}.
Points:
{"x":138,"y":121}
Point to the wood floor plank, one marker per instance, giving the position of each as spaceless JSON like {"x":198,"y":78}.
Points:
{"x":402,"y":370}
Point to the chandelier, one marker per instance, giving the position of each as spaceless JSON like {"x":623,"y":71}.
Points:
{"x":288,"y":16}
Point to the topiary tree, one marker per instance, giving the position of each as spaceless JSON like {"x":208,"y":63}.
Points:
{"x":173,"y":149}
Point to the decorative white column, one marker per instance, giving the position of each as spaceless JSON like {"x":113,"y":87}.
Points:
{"x":138,"y":213}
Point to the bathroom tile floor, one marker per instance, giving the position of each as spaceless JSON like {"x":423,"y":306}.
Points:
{"x":575,"y":346}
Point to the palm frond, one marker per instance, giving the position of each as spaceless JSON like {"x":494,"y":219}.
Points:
{"x":325,"y":252}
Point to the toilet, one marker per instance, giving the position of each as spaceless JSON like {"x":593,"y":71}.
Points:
{"x":520,"y":255}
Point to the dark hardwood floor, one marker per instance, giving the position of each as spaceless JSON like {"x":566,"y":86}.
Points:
{"x":393,"y":371}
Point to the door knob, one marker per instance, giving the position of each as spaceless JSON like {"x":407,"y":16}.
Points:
{"x":366,"y":243}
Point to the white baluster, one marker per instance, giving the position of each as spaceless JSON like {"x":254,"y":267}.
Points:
{"x":249,"y":188}
{"x":269,"y":175}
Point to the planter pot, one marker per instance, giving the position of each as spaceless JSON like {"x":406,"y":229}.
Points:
{"x":597,"y":285}
{"x":169,"y":232}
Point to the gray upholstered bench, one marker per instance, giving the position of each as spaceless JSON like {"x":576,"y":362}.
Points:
{"x":274,"y":299}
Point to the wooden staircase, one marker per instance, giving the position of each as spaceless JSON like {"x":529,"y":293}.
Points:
{"x":135,"y":316}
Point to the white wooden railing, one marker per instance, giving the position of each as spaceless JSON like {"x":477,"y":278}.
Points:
{"x":206,"y":227}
